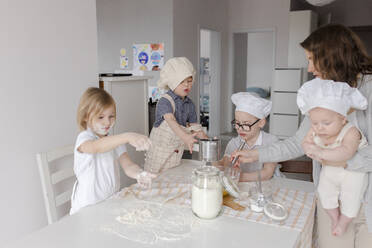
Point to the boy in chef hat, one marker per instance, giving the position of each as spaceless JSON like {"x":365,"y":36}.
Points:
{"x":332,"y":140}
{"x":250,"y":117}
{"x":175,"y":118}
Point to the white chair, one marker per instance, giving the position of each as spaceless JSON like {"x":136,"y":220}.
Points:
{"x":57,"y":181}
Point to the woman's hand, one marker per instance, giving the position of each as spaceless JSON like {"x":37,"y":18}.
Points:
{"x":245,"y":156}
{"x":139,"y":141}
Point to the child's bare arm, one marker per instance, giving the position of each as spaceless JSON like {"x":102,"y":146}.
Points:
{"x":173,"y":124}
{"x":347,"y":149}
{"x":108,"y":143}
{"x":266,"y":173}
{"x":132,"y":170}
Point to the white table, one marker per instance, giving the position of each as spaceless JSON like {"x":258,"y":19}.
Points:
{"x":82,"y":229}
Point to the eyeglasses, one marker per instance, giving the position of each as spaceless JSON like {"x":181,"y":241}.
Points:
{"x":244,"y":126}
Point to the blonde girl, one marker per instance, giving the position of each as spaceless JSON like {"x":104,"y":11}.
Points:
{"x":97,"y":154}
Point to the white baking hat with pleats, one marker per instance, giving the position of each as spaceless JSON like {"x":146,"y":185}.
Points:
{"x":251,"y":104}
{"x":174,"y":72}
{"x":335,"y":96}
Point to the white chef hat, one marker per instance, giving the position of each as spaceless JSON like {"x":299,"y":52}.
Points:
{"x":251,"y":104}
{"x":335,"y":96}
{"x":174,"y":72}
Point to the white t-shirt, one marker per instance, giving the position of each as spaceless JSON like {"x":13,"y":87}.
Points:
{"x":98,"y":175}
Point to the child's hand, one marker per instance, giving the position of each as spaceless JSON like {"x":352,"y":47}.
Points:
{"x":313,"y":151}
{"x":144,"y":179}
{"x":201,"y":135}
{"x":139,"y":141}
{"x":189,"y":140}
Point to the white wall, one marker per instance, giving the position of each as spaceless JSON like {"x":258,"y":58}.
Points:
{"x":250,"y":15}
{"x":263,"y":14}
{"x":121,"y":23}
{"x":260,"y":60}
{"x":48,"y":58}
{"x":211,"y":14}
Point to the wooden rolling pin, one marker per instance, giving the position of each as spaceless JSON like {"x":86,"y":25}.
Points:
{"x":228,"y":200}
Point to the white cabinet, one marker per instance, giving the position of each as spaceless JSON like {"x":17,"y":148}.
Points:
{"x":130,"y":95}
{"x":285,"y":116}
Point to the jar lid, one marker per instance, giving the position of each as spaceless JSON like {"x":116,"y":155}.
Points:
{"x":207,"y":171}
{"x":230,"y":186}
{"x":275,"y":211}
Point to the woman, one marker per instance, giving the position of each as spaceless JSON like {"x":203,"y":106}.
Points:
{"x":334,"y":52}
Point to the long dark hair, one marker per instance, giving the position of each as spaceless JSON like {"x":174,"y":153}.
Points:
{"x":338,"y":53}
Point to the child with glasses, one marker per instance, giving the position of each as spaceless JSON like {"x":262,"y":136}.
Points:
{"x":250,"y":117}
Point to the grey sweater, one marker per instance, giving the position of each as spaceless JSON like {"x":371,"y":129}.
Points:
{"x":362,"y":160}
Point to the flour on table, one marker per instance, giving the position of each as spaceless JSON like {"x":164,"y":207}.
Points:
{"x":150,"y":223}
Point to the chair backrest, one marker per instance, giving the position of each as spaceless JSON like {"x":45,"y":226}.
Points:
{"x":51,"y":176}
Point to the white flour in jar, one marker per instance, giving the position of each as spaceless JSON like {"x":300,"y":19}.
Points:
{"x":207,"y":202}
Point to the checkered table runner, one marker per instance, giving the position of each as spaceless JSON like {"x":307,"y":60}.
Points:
{"x":300,"y":206}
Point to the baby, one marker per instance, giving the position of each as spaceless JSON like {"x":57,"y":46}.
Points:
{"x":332,"y":140}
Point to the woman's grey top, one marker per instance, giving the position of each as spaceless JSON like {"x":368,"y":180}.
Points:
{"x":362,"y":160}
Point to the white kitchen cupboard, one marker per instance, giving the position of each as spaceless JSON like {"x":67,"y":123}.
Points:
{"x":131,"y":97}
{"x":285,"y":116}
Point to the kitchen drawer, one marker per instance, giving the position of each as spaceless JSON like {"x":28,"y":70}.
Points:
{"x":287,"y":79}
{"x":283,"y":125}
{"x":285,"y":103}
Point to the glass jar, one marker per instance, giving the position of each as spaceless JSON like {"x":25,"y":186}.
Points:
{"x":206,"y":197}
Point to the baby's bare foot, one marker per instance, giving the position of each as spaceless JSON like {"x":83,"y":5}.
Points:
{"x":339,"y":230}
{"x":334,"y":214}
{"x":334,"y":223}
{"x":341,"y":226}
